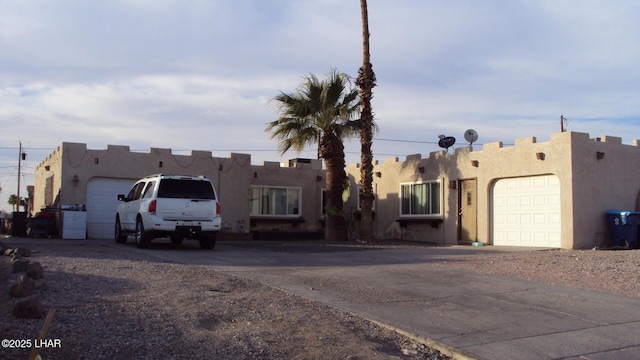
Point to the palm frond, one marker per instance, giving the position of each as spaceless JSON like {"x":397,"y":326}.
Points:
{"x":316,"y":107}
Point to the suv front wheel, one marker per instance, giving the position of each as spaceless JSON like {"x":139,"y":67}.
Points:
{"x":142,"y":237}
{"x":120,"y":237}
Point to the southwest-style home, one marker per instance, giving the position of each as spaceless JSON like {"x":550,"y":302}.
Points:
{"x":548,"y":194}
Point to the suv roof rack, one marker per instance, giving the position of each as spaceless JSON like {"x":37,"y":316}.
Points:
{"x":161,"y":174}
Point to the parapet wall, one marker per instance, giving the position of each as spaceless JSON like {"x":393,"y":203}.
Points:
{"x":556,"y":139}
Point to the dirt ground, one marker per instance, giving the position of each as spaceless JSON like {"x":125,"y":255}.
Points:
{"x":112,"y":303}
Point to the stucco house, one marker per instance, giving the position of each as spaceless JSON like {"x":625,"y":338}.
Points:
{"x":547,"y":194}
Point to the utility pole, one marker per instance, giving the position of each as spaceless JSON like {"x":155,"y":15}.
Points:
{"x":19,"y":164}
{"x":21,"y":156}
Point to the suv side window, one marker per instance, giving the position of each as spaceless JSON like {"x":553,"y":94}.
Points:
{"x":148,"y":191}
{"x":132,"y":192}
{"x":135,"y":192}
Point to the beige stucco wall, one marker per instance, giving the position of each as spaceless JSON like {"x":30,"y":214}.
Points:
{"x":588,"y":186}
{"x":611,"y":182}
{"x":232,"y":176}
{"x":49,"y":168}
{"x":309,"y":177}
{"x":74,"y":161}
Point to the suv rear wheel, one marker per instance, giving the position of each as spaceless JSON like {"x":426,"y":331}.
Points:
{"x":142,"y":237}
{"x":208,"y":242}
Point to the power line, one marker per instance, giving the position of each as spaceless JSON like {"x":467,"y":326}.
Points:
{"x":407,"y":141}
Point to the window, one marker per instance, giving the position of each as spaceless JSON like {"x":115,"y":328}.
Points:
{"x":186,"y":189}
{"x":278,"y":201}
{"x":148,"y":191}
{"x":420,"y":199}
{"x":135,"y":192}
{"x":323,"y":202}
{"x":373,"y":203}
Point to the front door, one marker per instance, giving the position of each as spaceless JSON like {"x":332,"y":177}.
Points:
{"x":467,"y":211}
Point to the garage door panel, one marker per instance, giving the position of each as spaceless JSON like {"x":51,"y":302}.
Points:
{"x":540,"y":200}
{"x":539,"y":219}
{"x":102,"y":203}
{"x":540,"y":238}
{"x":525,"y":201}
{"x":526,"y":211}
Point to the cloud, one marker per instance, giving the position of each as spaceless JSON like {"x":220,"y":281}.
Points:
{"x":198,"y":75}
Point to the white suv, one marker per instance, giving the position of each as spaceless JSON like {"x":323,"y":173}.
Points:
{"x":177,"y":206}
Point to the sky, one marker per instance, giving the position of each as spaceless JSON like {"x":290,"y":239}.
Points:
{"x":200,"y":74}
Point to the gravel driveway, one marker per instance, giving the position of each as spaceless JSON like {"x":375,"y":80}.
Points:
{"x":115,"y":303}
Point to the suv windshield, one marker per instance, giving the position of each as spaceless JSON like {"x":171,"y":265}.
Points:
{"x":185,"y":189}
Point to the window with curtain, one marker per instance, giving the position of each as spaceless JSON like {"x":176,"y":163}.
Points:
{"x":419,"y":199}
{"x":277,"y":201}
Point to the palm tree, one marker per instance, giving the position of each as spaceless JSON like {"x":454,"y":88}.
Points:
{"x":13,"y":200}
{"x":321,"y":112}
{"x":366,"y":81}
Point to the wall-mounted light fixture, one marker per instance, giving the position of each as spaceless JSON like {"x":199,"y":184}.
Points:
{"x":319,"y":178}
{"x":421,"y":169}
{"x":75,"y":179}
{"x":255,"y":174}
{"x":47,"y":167}
{"x":160,"y":164}
{"x":96,"y":161}
{"x":475,"y":163}
{"x":540,"y":155}
{"x":599,"y":155}
{"x":378,"y":174}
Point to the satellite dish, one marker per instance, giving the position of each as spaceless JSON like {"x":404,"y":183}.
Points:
{"x":446,"y":142}
{"x":471,"y":136}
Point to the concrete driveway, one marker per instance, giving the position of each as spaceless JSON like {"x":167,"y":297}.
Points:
{"x":480,"y":316}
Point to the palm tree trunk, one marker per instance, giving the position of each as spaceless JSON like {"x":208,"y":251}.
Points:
{"x":332,"y":150}
{"x":366,"y":81}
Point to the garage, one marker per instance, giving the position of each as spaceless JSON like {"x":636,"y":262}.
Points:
{"x":102,"y":202}
{"x":526,"y":211}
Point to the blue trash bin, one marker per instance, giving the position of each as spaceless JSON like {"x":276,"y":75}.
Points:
{"x":623,"y":228}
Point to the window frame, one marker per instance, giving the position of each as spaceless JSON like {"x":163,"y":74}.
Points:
{"x":260,"y":198}
{"x":431,"y":214}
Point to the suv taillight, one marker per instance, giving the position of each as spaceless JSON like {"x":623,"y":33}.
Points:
{"x":218,"y":209}
{"x":152,"y":207}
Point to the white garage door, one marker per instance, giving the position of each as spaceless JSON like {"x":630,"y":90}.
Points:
{"x":526,"y":211}
{"x":102,"y":202}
